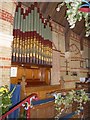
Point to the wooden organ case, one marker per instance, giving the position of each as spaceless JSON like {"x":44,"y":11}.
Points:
{"x":34,"y":76}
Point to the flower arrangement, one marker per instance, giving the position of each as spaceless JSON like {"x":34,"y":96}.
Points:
{"x":64,"y":101}
{"x":73,"y":14}
{"x":5,"y":99}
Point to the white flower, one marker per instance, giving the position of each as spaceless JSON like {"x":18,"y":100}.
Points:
{"x":62,"y":110}
{"x":73,"y":15}
{"x":72,"y":26}
{"x":72,"y":96}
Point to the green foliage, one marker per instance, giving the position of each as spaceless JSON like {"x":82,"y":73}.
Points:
{"x":73,"y":14}
{"x":63,"y":102}
{"x":5,"y":99}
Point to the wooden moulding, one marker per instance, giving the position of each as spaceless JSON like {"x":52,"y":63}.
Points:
{"x":31,"y":65}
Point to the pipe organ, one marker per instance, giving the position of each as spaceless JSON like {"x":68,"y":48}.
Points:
{"x":32,"y":43}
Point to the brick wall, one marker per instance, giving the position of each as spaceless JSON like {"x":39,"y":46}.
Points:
{"x":76,"y":60}
{"x":7,"y":10}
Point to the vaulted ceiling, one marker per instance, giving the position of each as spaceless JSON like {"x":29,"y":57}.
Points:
{"x":48,"y":10}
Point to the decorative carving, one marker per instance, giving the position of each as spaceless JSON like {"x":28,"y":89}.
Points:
{"x":23,"y":84}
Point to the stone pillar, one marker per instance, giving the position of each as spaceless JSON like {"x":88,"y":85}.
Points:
{"x":55,"y":71}
{"x":7,"y":10}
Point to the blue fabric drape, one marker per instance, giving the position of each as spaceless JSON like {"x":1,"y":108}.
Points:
{"x":15,"y":99}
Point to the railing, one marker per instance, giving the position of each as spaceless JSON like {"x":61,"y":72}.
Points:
{"x":27,"y":100}
{"x":33,"y":100}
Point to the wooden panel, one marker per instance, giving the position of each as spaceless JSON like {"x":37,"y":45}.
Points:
{"x":47,"y":76}
{"x":20,"y":72}
{"x":43,"y":91}
{"x":43,"y":111}
{"x":36,"y":74}
{"x":29,"y":73}
{"x":33,"y":76}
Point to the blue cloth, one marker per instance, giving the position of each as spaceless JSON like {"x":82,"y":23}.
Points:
{"x":15,"y":99}
{"x":69,"y":116}
{"x":43,"y":101}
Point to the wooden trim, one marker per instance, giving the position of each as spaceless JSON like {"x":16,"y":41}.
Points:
{"x":28,"y":65}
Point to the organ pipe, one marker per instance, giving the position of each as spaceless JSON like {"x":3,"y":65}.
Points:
{"x":32,"y":41}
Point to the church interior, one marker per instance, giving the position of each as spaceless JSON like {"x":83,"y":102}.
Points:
{"x":45,"y":60}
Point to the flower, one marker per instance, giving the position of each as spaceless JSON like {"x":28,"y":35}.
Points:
{"x":5,"y":99}
{"x":73,"y":14}
{"x":63,"y":102}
